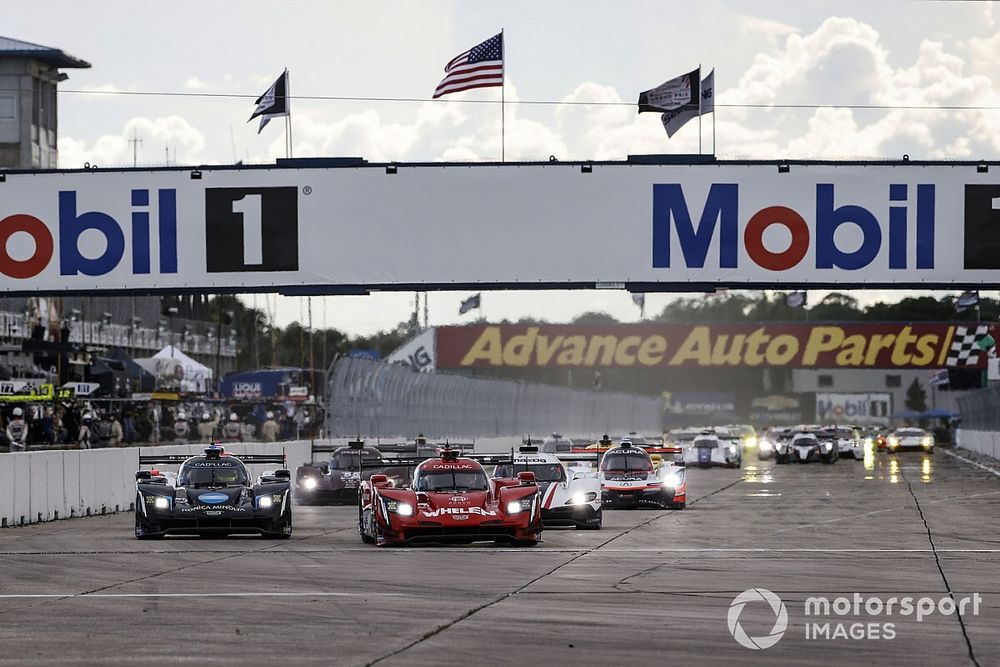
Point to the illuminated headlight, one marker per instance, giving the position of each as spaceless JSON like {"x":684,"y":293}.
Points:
{"x":264,"y":502}
{"x":827,"y":446}
{"x":673,"y":480}
{"x":927,"y":441}
{"x":522,"y":505}
{"x":750,"y":441}
{"x":732,"y":449}
{"x":402,"y":509}
{"x":893,"y":442}
{"x":161,"y":503}
{"x":766,"y":445}
{"x":309,"y":483}
{"x":582,"y":498}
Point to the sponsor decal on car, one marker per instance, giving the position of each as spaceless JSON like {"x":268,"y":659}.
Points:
{"x":441,"y":511}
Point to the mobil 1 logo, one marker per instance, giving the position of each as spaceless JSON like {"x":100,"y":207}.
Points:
{"x":252,"y":229}
{"x":982,"y":226}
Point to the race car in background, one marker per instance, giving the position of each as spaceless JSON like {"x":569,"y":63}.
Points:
{"x":569,"y":496}
{"x":768,"y":444}
{"x":715,"y":448}
{"x":336,"y":480}
{"x":910,"y":438}
{"x":806,"y":448}
{"x":451,"y":500}
{"x":212,"y":493}
{"x":849,"y":441}
{"x":553,"y":444}
{"x":629,"y":479}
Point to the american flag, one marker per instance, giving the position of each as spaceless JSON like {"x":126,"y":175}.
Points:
{"x":479,"y":67}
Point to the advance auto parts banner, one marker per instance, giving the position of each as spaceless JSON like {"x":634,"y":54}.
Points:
{"x":916,"y":345}
{"x":351,"y":228}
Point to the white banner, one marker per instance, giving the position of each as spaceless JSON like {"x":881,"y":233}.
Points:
{"x":418,"y":353}
{"x":352,"y":228}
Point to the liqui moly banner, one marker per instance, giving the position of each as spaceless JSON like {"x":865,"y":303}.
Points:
{"x":748,"y":344}
{"x":351,"y":228}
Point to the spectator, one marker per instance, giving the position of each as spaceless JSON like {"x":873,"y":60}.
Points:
{"x":17,"y":431}
{"x":182,"y":428}
{"x":206,"y":429}
{"x":233,"y":430}
{"x":86,"y":435}
{"x":269,"y":429}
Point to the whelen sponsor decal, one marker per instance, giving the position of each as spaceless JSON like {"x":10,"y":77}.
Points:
{"x":441,"y":511}
{"x":862,"y":345}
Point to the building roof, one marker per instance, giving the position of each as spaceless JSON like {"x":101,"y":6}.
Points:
{"x":15,"y":48}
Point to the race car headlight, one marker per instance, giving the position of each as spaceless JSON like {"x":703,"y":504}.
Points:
{"x":927,"y":441}
{"x":582,"y":498}
{"x":893,"y":442}
{"x":515,"y":506}
{"x":673,"y":479}
{"x":750,"y":442}
{"x":732,"y":449}
{"x":402,"y":509}
{"x":264,"y":502}
{"x":766,"y":445}
{"x":309,"y":483}
{"x":161,"y":503}
{"x":827,"y":446}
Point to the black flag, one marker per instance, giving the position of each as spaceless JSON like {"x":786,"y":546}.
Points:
{"x":273,"y":103}
{"x":679,"y":93}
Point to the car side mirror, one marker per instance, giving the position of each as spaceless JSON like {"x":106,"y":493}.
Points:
{"x":579,"y":475}
{"x":680,"y":463}
{"x":283,"y":473}
{"x":422,"y":498}
{"x":379,"y":479}
{"x":141,"y":475}
{"x":526,"y":478}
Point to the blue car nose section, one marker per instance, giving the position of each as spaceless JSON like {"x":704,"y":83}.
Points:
{"x":213,"y":498}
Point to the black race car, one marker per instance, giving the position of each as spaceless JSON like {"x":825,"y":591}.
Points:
{"x":807,"y":447}
{"x":212,"y":493}
{"x":335,"y":480}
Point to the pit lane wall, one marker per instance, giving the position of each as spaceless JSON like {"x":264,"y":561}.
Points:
{"x":982,"y":442}
{"x":50,"y":485}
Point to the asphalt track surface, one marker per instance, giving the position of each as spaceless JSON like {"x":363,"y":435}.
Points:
{"x":652,"y":587}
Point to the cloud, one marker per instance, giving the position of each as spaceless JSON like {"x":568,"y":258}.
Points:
{"x":186,"y":145}
{"x":194,"y":83}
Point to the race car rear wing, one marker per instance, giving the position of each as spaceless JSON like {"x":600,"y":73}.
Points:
{"x":177,"y":459}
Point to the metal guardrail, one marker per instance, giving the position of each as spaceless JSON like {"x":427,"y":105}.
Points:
{"x":980,"y":411}
{"x":378,"y":399}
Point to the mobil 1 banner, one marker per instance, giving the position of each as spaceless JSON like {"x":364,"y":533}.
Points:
{"x":344,"y":228}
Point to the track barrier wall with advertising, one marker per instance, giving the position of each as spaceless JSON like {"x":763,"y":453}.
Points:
{"x":822,"y":345}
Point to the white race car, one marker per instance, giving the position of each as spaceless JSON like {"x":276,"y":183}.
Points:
{"x":849,"y":441}
{"x":911,"y":438}
{"x":714,"y":449}
{"x":571,"y":496}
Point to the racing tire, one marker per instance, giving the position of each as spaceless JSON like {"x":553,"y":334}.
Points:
{"x":930,"y":451}
{"x":145,"y":536}
{"x":678,"y":506}
{"x":366,"y":538}
{"x":780,"y":459}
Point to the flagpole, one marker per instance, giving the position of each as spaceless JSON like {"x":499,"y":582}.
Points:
{"x":503,"y":101}
{"x":288,"y":117}
{"x":715,"y":108}
{"x":699,"y":108}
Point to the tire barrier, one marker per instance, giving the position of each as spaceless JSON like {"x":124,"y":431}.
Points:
{"x":50,"y":485}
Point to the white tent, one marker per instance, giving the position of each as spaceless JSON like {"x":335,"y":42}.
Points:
{"x":170,"y":364}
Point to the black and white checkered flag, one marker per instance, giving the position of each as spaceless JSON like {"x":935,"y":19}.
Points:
{"x":967,"y":344}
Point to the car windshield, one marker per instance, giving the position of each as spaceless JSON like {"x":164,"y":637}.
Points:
{"x":203,"y":474}
{"x":909,"y":433}
{"x":804,"y":442}
{"x":544,"y":472}
{"x":348,"y":460}
{"x":626,"y":462}
{"x":452,"y":480}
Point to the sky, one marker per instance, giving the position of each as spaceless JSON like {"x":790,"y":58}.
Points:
{"x":888,"y":52}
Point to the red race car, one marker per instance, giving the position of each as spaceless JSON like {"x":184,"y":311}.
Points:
{"x":451,"y":500}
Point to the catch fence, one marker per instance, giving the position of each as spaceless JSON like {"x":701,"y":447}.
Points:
{"x":375,"y":399}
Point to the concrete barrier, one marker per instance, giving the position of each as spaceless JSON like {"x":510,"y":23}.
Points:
{"x":50,"y":485}
{"x":982,"y":442}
